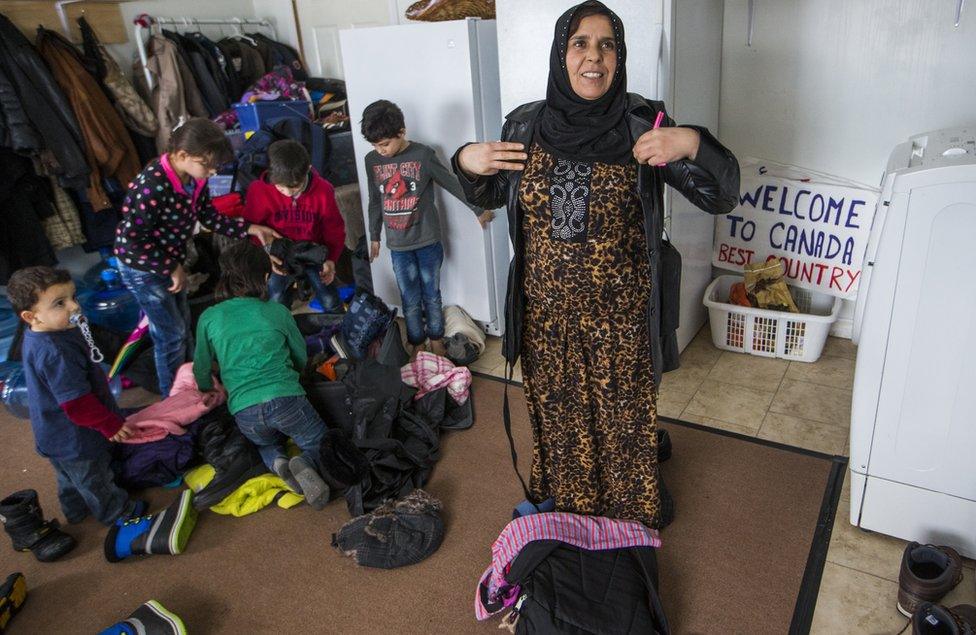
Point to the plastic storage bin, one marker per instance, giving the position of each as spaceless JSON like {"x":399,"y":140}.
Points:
{"x":795,"y":336}
{"x":252,"y":115}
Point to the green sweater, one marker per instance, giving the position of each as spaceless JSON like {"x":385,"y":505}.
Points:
{"x":258,"y":347}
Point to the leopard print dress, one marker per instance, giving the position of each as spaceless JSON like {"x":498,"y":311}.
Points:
{"x":586,"y":363}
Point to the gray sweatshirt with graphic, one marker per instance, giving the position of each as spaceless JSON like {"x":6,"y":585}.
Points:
{"x":401,"y":196}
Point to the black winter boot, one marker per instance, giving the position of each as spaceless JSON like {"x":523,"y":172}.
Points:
{"x":24,"y":522}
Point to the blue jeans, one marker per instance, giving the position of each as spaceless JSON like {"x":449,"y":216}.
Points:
{"x":279,"y":287}
{"x":88,"y":485}
{"x":418,"y":274}
{"x":268,"y":424}
{"x":169,"y":321}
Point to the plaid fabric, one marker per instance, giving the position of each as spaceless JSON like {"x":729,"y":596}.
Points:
{"x":430,"y":372}
{"x":592,"y":533}
{"x":63,"y":227}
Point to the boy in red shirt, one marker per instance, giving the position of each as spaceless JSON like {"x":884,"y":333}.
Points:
{"x":299,"y":204}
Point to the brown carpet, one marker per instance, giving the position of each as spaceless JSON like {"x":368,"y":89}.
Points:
{"x":732,"y":562}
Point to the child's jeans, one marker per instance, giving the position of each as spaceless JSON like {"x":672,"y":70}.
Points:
{"x":169,"y":321}
{"x":88,"y":485}
{"x":279,"y":287}
{"x":418,"y":274}
{"x":267,"y":425}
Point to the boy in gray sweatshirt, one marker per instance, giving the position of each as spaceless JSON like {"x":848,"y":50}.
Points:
{"x":401,"y":174}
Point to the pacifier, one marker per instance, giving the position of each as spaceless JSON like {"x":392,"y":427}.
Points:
{"x":78,"y":319}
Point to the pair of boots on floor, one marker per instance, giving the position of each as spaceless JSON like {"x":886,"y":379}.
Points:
{"x":151,"y":618}
{"x":165,"y":532}
{"x":928,"y":573}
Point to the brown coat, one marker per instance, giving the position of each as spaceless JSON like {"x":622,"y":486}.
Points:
{"x":168,"y":98}
{"x":108,"y":147}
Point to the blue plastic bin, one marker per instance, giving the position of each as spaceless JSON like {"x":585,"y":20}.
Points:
{"x":252,"y":115}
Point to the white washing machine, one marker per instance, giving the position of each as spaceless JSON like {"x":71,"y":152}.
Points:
{"x":913,"y":415}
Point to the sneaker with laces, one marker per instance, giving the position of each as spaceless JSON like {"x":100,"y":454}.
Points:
{"x":935,"y":619}
{"x":928,"y":573}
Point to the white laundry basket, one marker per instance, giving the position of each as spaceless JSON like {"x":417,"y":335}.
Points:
{"x":796,"y":336}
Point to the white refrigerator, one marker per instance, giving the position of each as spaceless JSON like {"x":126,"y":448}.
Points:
{"x":444,"y":76}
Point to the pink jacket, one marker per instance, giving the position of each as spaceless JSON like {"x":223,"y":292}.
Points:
{"x":184,"y":405}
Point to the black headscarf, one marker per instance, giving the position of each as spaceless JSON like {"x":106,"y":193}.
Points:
{"x":579,"y":129}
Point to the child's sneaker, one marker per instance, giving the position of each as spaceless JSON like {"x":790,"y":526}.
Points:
{"x":165,"y":532}
{"x":152,"y":618}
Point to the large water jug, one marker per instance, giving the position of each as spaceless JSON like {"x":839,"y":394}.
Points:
{"x":13,"y":388}
{"x":109,"y":304}
{"x":8,"y":327}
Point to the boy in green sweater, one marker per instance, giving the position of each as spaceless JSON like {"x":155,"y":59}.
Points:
{"x":261,"y":354}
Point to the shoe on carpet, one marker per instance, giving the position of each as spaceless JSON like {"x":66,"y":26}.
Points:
{"x":935,"y":619}
{"x":13,"y":594}
{"x":151,"y":618}
{"x":928,"y":573}
{"x":315,"y":490}
{"x":165,"y":532}
{"x":24,"y":522}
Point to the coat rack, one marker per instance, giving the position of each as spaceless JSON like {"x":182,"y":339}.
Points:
{"x":145,"y":22}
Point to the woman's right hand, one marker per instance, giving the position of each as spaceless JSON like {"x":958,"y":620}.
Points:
{"x":486,"y":159}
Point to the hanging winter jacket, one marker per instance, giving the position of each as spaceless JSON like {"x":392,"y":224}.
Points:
{"x":223,"y":73}
{"x":24,"y":203}
{"x":134,"y":111}
{"x":277,"y":54}
{"x":108,"y":146}
{"x":200,"y":65}
{"x":53,"y":135}
{"x":167,"y":99}
{"x":245,"y":59}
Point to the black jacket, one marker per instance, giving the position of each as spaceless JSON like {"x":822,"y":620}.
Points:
{"x":711,"y":182}
{"x":35,"y":116}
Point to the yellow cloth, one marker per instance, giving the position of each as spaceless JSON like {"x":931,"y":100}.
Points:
{"x":254,"y":495}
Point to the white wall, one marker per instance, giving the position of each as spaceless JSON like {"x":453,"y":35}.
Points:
{"x":833,"y":85}
{"x":525,"y":31}
{"x":126,"y":53}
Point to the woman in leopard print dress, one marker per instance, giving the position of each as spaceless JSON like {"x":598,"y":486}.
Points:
{"x":582,"y":175}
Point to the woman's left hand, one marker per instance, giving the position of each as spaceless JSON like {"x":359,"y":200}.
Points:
{"x":665,"y":145}
{"x":262,"y":233}
{"x":328,"y":272}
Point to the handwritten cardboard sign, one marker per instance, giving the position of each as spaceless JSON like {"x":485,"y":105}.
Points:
{"x":816,"y":224}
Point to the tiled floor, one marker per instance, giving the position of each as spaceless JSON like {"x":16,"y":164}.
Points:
{"x":804,"y":405}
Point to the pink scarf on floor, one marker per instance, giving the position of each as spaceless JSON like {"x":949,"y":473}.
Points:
{"x":430,"y":372}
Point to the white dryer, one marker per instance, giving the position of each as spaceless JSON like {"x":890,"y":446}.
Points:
{"x":913,"y":414}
